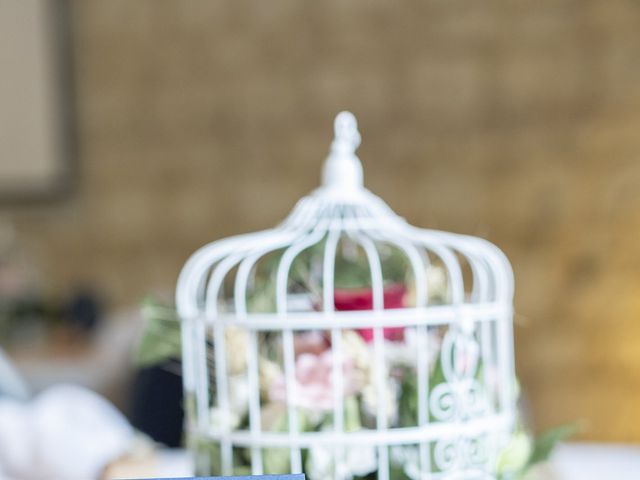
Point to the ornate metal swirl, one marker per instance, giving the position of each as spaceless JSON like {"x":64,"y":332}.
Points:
{"x":461,"y":453}
{"x":461,"y":395}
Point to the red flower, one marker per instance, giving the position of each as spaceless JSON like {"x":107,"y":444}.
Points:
{"x":348,"y":299}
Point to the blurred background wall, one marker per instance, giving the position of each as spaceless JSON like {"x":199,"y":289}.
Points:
{"x":515,"y":121}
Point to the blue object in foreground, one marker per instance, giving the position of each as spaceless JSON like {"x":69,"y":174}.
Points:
{"x":296,"y":476}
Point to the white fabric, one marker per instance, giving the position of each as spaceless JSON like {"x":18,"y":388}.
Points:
{"x":66,"y":432}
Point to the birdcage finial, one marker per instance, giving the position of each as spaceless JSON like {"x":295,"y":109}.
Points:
{"x":343,"y":168}
{"x":347,"y":137}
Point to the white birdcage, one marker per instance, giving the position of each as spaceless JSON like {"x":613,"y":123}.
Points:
{"x":416,"y":388}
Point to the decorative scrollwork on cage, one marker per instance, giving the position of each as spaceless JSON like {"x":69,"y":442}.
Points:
{"x":461,"y":395}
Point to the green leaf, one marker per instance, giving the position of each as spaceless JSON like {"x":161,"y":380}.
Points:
{"x":206,"y":457}
{"x":396,"y":471}
{"x":276,"y":460}
{"x":515,"y":456}
{"x":544,"y":444}
{"x":351,"y":414}
{"x":408,"y":401}
{"x":160,"y":340}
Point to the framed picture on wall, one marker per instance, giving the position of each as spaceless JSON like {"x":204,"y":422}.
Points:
{"x":35,"y":100}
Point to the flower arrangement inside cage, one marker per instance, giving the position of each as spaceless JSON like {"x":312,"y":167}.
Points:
{"x":347,"y":344}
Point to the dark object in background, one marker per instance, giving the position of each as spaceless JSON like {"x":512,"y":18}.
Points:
{"x":84,"y":311}
{"x":28,"y":315}
{"x":157,"y":403}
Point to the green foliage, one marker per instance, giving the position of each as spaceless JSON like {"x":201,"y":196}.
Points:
{"x":352,"y":414}
{"x":160,"y":340}
{"x":396,"y":472}
{"x":523,"y":453}
{"x":544,"y":444}
{"x":276,"y":460}
{"x":352,"y":268}
{"x":206,"y":456}
{"x":408,"y":401}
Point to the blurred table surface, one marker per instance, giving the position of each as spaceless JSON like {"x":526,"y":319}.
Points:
{"x":591,"y":461}
{"x":572,"y":461}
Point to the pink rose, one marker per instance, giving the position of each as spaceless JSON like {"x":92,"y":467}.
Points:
{"x":314,"y":376}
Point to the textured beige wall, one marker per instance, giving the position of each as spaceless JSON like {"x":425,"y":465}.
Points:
{"x":517,"y":121}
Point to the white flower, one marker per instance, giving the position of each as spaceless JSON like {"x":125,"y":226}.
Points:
{"x":361,"y":460}
{"x":365,"y":372}
{"x":319,"y":465}
{"x":437,"y":283}
{"x":270,"y":372}
{"x":405,"y":354}
{"x":236,"y":344}
{"x":355,"y":461}
{"x":238,"y":388}
{"x":370,"y":397}
{"x":239,"y":393}
{"x":408,"y":458}
{"x":437,"y":286}
{"x":219,"y":419}
{"x":356,"y":349}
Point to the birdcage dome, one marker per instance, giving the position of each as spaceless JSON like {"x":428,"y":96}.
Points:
{"x":346,"y":343}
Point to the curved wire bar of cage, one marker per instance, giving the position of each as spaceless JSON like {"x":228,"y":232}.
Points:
{"x":215,"y":283}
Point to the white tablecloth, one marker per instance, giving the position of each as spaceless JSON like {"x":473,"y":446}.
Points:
{"x":588,"y":461}
{"x":572,"y":461}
